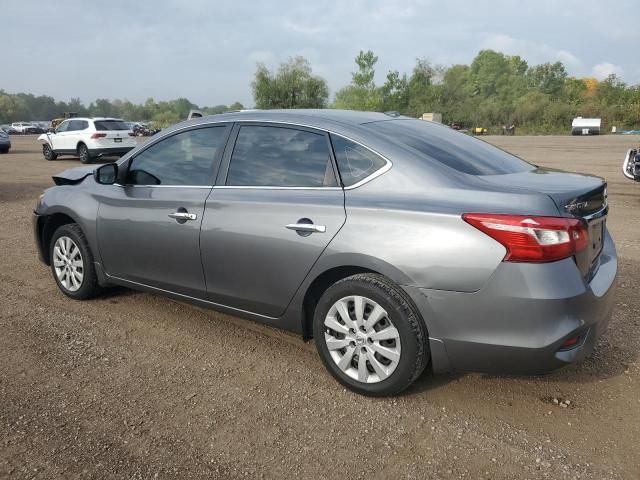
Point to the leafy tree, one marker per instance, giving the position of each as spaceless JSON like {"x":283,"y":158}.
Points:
{"x":548,"y":78}
{"x":362,"y":93}
{"x":395,"y":93}
{"x":292,"y":86}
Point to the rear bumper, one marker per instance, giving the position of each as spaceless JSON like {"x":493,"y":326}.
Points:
{"x":105,"y":152}
{"x":518,"y":321}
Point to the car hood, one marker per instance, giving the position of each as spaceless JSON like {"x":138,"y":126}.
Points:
{"x":74,"y":175}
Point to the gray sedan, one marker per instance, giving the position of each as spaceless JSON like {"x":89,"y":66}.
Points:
{"x":396,"y":244}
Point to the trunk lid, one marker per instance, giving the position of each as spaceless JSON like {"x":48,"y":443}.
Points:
{"x":576,"y":195}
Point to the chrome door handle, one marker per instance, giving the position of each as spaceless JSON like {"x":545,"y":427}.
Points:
{"x":306,"y":227}
{"x":183,"y":216}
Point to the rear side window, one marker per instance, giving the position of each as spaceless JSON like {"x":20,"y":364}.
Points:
{"x":102,"y":125}
{"x":454,"y":149}
{"x":185,"y":159}
{"x":355,"y":162}
{"x":76,"y":125}
{"x":280,"y":157}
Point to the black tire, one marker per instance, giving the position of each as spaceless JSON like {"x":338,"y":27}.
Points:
{"x":89,"y":287}
{"x":4,"y":150}
{"x":83,"y":153}
{"x":404,"y":316}
{"x":48,"y":152}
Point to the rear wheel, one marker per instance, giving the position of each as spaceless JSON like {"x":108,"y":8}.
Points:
{"x":370,"y":336}
{"x":72,"y":263}
{"x":48,"y":152}
{"x":83,"y":153}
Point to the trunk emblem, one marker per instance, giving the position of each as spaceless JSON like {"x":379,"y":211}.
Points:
{"x":576,"y":206}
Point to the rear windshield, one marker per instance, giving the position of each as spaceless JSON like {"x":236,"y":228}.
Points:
{"x":111,"y":125}
{"x":454,"y":149}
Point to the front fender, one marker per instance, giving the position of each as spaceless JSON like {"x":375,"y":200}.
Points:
{"x":78,"y":204}
{"x":45,"y":138}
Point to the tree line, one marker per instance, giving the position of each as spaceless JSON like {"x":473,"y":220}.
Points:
{"x":493,"y":90}
{"x":26,"y":106}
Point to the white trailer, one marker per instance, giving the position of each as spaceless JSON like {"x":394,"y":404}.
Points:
{"x":586,"y":126}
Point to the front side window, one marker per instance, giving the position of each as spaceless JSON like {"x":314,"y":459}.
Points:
{"x":63,"y":127}
{"x":186,"y":159}
{"x":355,"y":162}
{"x":280,"y":157}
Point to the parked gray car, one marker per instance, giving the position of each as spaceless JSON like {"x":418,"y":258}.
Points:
{"x":394,"y":243}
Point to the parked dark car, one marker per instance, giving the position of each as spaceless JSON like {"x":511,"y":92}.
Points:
{"x":394,"y":243}
{"x":5,"y":142}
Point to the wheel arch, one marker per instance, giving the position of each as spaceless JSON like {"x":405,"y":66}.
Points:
{"x":331,"y":269}
{"x":47,"y":226}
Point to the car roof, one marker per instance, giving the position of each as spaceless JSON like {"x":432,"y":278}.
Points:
{"x":94,"y":118}
{"x":311,"y":117}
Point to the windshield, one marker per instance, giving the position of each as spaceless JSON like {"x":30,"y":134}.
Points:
{"x":454,"y":149}
{"x":111,"y":125}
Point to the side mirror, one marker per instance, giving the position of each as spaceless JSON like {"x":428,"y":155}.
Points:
{"x":107,"y":174}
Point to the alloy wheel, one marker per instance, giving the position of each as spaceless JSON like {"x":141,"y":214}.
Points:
{"x":68,"y":263}
{"x":361,"y":339}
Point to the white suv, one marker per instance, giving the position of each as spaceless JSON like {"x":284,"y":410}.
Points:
{"x":88,"y":138}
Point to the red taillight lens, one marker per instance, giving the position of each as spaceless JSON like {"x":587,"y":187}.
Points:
{"x":98,"y":135}
{"x":532,"y":239}
{"x":569,"y":343}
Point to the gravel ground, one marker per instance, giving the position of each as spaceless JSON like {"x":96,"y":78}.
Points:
{"x":133,"y":385}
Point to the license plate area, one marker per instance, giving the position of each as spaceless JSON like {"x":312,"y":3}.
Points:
{"x":596,"y":235}
{"x":117,"y":140}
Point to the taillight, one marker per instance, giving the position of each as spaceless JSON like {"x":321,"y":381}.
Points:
{"x":98,"y":135}
{"x":532,"y":239}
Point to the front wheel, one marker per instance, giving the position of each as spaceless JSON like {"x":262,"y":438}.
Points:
{"x":83,"y":153}
{"x":72,"y":263}
{"x":370,"y":336}
{"x":48,"y":152}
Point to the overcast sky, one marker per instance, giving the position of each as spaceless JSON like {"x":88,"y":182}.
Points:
{"x":207,"y":50}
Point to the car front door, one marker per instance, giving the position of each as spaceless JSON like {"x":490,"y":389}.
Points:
{"x":59,"y":136}
{"x":276,"y":206}
{"x":149,"y":227}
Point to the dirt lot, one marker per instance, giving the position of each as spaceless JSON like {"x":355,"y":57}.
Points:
{"x":137,"y":386}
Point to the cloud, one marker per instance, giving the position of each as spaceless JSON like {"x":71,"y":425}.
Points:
{"x":207,"y":51}
{"x":533,"y":52}
{"x":604,"y":69}
{"x":303,"y":29}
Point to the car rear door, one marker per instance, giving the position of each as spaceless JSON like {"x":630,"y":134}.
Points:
{"x":73,"y":135}
{"x":275,"y":207}
{"x":149,"y":227}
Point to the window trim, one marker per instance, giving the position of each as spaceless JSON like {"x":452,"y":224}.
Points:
{"x":227,"y":126}
{"x":223,"y":165}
